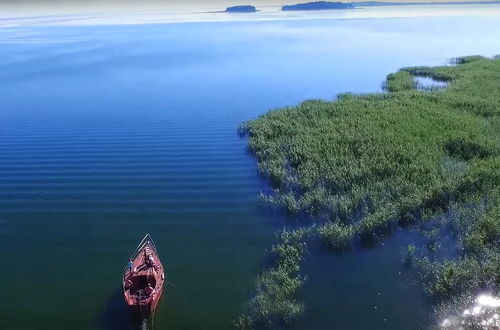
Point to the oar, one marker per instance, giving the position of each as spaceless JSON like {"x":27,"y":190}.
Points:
{"x":170,"y":283}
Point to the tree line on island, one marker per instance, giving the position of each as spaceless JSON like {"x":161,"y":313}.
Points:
{"x":317,"y":5}
{"x":331,"y":5}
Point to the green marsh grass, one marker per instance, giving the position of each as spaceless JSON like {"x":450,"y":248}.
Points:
{"x":366,"y":163}
{"x":273,"y":301}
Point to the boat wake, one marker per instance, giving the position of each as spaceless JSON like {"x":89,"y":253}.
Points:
{"x":140,"y":323}
{"x":145,"y":324}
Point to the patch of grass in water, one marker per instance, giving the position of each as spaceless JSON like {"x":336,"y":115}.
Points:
{"x":398,"y":156}
{"x":336,"y":235}
{"x":273,"y":301}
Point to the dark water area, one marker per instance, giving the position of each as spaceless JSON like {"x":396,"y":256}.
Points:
{"x":366,"y":288}
{"x":110,"y":132}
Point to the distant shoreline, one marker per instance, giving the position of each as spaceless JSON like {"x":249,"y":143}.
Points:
{"x":14,"y":18}
{"x":318,"y":5}
{"x":385,"y":4}
{"x":336,"y":5}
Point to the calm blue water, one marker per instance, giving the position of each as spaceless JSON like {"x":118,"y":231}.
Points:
{"x":109,"y":132}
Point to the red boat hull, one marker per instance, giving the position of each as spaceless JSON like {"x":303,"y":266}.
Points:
{"x":144,"y":278}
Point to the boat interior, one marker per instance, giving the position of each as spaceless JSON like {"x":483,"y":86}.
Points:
{"x":139,"y":283}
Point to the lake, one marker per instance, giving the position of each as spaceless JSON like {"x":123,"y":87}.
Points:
{"x":110,"y":131}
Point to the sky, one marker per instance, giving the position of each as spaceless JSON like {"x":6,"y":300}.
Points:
{"x":30,"y":8}
{"x":178,"y":3}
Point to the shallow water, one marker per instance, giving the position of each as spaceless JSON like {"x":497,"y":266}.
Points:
{"x":427,"y":83}
{"x":109,"y":132}
{"x":482,"y":312}
{"x":367,"y":288}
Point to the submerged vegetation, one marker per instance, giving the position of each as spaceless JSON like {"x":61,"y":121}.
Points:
{"x":477,"y":266}
{"x":364,"y":164}
{"x":274,"y":298}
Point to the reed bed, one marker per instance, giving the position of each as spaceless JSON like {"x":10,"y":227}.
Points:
{"x":363,"y":164}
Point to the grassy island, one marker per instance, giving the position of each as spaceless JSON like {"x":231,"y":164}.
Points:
{"x":241,"y":9}
{"x":318,"y":5}
{"x":364,"y":164}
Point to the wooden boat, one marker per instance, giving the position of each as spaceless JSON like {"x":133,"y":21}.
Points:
{"x":143,"y":278}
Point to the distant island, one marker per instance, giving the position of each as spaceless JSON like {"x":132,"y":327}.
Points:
{"x":329,"y":5}
{"x":380,"y":3}
{"x":332,"y":5}
{"x":241,"y":9}
{"x":318,"y":5}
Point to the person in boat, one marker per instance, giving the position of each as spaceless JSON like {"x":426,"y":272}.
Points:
{"x":130,"y":265}
{"x":151,"y":263}
{"x":148,"y":263}
{"x":150,"y":290}
{"x":128,"y":283}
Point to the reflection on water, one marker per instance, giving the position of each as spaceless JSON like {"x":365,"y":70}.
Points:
{"x":115,"y":312}
{"x":117,"y":316}
{"x":427,"y":83}
{"x":483,"y":313}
